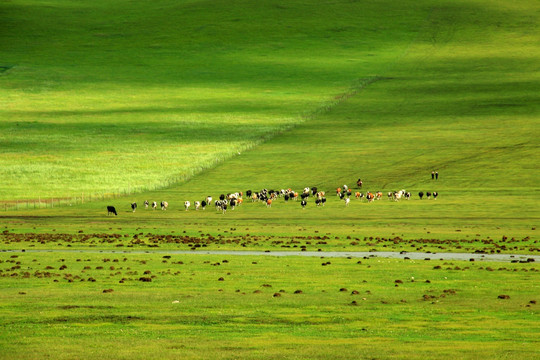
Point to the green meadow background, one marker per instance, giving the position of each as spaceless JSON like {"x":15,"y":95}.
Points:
{"x":121,"y":97}
{"x":108,"y":97}
{"x":179,"y":100}
{"x":113,"y":102}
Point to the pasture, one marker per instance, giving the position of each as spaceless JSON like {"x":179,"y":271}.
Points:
{"x":159,"y":305}
{"x":110,"y":103}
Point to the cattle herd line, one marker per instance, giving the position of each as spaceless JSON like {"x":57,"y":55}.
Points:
{"x":267,"y":197}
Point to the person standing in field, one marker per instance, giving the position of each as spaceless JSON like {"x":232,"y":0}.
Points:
{"x":436,"y":175}
{"x":432,"y":175}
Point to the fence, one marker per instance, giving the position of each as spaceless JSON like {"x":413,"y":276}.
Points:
{"x":55,"y":202}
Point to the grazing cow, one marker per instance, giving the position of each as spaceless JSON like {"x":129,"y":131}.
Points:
{"x":379,"y":195}
{"x":323,"y":200}
{"x":146,"y":203}
{"x":111,"y":210}
{"x":435,"y":194}
{"x":303,"y":203}
{"x":428,"y":194}
{"x":407,"y":195}
{"x":370,"y":197}
{"x":187,"y":204}
{"x":314,"y":191}
{"x":197,"y":205}
{"x":341,"y":196}
{"x":318,"y":202}
{"x":203,"y":204}
{"x":269,"y":203}
{"x":154,"y":205}
{"x":134,"y":206}
{"x":338,"y":191}
{"x":359,"y":183}
{"x":221,"y":205}
{"x":345,"y":188}
{"x":357,"y":194}
{"x":397,"y":195}
{"x":164,"y":205}
{"x":347,"y":201}
{"x":286,"y":197}
{"x":233,"y":203}
{"x":349,"y":193}
{"x":421,"y":195}
{"x":248,"y":193}
{"x":209,"y":200}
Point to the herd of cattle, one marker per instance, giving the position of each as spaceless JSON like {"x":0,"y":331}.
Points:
{"x":267,"y":197}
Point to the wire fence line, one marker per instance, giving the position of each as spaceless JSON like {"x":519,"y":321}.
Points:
{"x":48,"y":203}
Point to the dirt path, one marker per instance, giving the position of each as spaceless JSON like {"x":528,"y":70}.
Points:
{"x":326,"y":254}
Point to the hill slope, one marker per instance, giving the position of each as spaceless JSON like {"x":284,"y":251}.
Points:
{"x":103,"y":97}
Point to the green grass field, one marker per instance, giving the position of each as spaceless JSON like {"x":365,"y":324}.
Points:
{"x":107,"y":103}
{"x":228,"y":307}
{"x":133,"y":100}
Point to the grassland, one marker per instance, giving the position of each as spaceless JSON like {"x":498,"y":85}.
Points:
{"x":450,"y":89}
{"x":179,"y":100}
{"x":251,"y":308}
{"x":126,"y":101}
